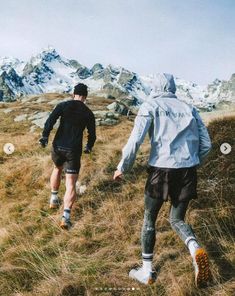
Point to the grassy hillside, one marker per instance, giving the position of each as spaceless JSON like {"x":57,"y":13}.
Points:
{"x":38,"y":258}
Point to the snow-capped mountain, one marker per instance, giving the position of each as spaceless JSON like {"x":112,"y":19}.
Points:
{"x":50,"y":72}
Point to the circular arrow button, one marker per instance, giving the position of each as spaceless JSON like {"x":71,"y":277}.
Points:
{"x":225,"y":148}
{"x":8,"y":148}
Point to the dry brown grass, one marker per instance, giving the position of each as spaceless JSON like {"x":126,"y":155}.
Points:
{"x":38,"y":258}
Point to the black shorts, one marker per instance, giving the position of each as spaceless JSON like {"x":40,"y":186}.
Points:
{"x":71,"y":161}
{"x":178,"y":184}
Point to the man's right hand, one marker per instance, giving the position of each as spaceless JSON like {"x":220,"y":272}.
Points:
{"x":117,"y":175}
{"x":43,"y":142}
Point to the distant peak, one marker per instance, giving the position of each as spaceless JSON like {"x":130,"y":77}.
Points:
{"x":47,"y":54}
{"x":49,"y":49}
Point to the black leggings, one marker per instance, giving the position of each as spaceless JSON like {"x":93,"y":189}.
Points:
{"x":177,"y":214}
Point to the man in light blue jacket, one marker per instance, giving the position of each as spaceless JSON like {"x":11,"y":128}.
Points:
{"x":179,"y":143}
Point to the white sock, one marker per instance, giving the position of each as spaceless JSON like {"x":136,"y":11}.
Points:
{"x":193,"y":246}
{"x":147,"y":262}
{"x":66,"y":213}
{"x":54,"y":196}
{"x":147,"y":266}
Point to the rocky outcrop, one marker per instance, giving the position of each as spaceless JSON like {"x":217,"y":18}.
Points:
{"x":83,"y":72}
{"x":227,"y":89}
{"x":6,"y":93}
{"x":221,"y":90}
{"x":106,"y":118}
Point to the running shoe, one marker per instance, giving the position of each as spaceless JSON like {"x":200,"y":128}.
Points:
{"x":55,"y":203}
{"x":201,"y":266}
{"x":143,"y":277}
{"x":65,"y":223}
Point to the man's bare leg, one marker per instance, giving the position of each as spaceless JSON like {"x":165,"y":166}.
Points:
{"x":56,"y":178}
{"x":69,"y":199}
{"x":55,"y":184}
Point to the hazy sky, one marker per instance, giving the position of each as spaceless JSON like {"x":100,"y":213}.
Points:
{"x":193,"y":39}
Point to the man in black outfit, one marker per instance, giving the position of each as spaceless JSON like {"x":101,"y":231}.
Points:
{"x":66,"y":151}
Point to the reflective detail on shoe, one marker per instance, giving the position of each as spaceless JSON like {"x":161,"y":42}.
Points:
{"x":143,"y":277}
{"x":202,"y":269}
{"x":65,"y":223}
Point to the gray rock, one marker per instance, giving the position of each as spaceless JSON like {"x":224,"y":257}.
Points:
{"x":75,"y":64}
{"x":114,"y":91}
{"x":126,"y":77}
{"x":7,"y":111}
{"x":112,"y":107}
{"x":39,"y":115}
{"x":32,"y":129}
{"x":83,"y":72}
{"x":21,"y":117}
{"x":106,"y":117}
{"x":109,"y":121}
{"x":40,"y":118}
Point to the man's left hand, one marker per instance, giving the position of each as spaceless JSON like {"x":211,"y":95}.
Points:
{"x":43,"y":142}
{"x":117,"y":175}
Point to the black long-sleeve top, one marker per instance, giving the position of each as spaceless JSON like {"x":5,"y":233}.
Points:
{"x":75,"y":116}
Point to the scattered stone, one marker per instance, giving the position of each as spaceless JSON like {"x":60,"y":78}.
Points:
{"x":39,"y":115}
{"x":32,"y":129}
{"x":80,"y":189}
{"x":21,"y":117}
{"x":7,"y":110}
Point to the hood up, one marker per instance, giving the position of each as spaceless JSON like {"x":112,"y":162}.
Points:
{"x":164,"y":83}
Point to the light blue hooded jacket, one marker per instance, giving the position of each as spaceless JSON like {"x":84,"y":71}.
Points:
{"x":177,"y":134}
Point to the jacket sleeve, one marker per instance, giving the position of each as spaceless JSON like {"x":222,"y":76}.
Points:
{"x":51,"y":120}
{"x":204,"y":138}
{"x":142,"y":124}
{"x":91,"y":132}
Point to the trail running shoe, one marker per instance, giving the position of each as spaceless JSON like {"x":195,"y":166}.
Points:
{"x":143,"y":277}
{"x":54,"y":204}
{"x":65,"y":223}
{"x":202,"y":269}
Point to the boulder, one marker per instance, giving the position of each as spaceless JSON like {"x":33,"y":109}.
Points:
{"x":106,"y":117}
{"x":40,"y":118}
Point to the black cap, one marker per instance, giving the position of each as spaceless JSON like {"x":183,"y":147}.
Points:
{"x":81,"y":90}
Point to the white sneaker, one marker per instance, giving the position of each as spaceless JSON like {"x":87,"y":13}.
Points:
{"x":201,"y":266}
{"x":143,"y":277}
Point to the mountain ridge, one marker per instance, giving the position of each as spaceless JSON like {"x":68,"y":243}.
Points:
{"x":48,"y":72}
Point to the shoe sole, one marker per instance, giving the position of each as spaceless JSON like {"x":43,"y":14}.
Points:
{"x":203,"y":275}
{"x":150,"y":281}
{"x":65,"y":226}
{"x":53,"y":207}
